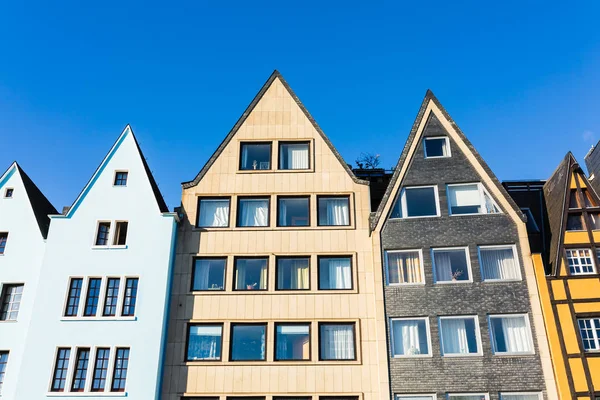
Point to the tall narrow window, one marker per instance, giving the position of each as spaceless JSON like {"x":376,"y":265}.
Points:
{"x":293,"y":273}
{"x":250,"y":274}
{"x":335,"y":273}
{"x":73,"y":297}
{"x":209,"y":274}
{"x":102,"y":234}
{"x":130,"y":298}
{"x":293,"y":211}
{"x":120,"y":370}
{"x":337,"y":341}
{"x":81,"y":368}
{"x":580,"y":261}
{"x":121,"y":178}
{"x":460,"y":336}
{"x":204,"y":342}
{"x":499,"y":263}
{"x":61,"y":366}
{"x":404,"y":267}
{"x":248,"y":342}
{"x":333,"y":211}
{"x":100,"y":369}
{"x":11,"y":302}
{"x":255,"y":156}
{"x":253,"y":212}
{"x":511,"y":334}
{"x":575,"y":222}
{"x":292,"y":342}
{"x":436,"y":147}
{"x":451,"y":265}
{"x":3,"y":240}
{"x":213,"y":213}
{"x":112,"y":297}
{"x":587,"y":198}
{"x":3,"y":363}
{"x":120,"y":238}
{"x":589,"y":329}
{"x":293,"y":155}
{"x":417,"y":202}
{"x":93,"y":293}
{"x":410,"y":337}
{"x":574,"y":200}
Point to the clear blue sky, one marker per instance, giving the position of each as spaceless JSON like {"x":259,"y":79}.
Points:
{"x":522,"y":80}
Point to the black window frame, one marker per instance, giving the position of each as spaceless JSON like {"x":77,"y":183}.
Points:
{"x":121,"y":229}
{"x":224,"y":258}
{"x":319,"y":257}
{"x":235,"y":260}
{"x":4,"y":354}
{"x":121,"y":381}
{"x":200,"y":198}
{"x":353,"y":323}
{"x":6,"y":300}
{"x":132,"y":298}
{"x":238,"y":213}
{"x":306,"y":197}
{"x":59,"y":375}
{"x":309,"y":341}
{"x":102,"y":238}
{"x":242,"y":144}
{"x":103,"y":367}
{"x":294,"y":257}
{"x":81,"y":367}
{"x":3,"y":242}
{"x":73,"y":293}
{"x":231,"y":339}
{"x":110,"y":310}
{"x":336,"y":196}
{"x":119,"y":179}
{"x":8,"y":193}
{"x":87,"y":297}
{"x":285,"y":142}
{"x":187,"y":340}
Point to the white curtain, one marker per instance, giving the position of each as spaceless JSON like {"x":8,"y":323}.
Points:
{"x":245,"y":157}
{"x":406,"y":338}
{"x":340,"y":273}
{"x":516,"y":335}
{"x":404,"y":268}
{"x":254,"y":212}
{"x":443,"y":266}
{"x":204,"y":342}
{"x":498,"y":264}
{"x":464,"y":195}
{"x":214,"y":213}
{"x":338,"y":342}
{"x":202,"y":272}
{"x":454,"y":336}
{"x":297,"y":156}
{"x":336,"y":212}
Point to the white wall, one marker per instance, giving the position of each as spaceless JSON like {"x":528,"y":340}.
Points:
{"x":71,"y":253}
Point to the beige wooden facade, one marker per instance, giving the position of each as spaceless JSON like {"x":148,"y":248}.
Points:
{"x":276,"y":115}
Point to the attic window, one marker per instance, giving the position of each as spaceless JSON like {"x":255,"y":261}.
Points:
{"x":8,"y":194}
{"x":470,"y":198}
{"x":121,"y":178}
{"x":255,"y":156}
{"x":436,"y":147}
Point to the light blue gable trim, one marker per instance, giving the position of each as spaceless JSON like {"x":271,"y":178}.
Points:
{"x":11,"y":171}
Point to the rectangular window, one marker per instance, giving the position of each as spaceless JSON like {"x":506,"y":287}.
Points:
{"x":11,"y":302}
{"x":336,"y":341}
{"x":410,"y":337}
{"x":333,"y":211}
{"x":3,"y":363}
{"x":255,"y":156}
{"x":520,"y":396}
{"x":511,"y":334}
{"x":248,"y":342}
{"x":93,"y":294}
{"x":3,"y":240}
{"x":100,"y":369}
{"x":204,"y":342}
{"x":213,"y":213}
{"x":471,"y":198}
{"x":73,"y":297}
{"x":468,"y":396}
{"x":120,"y":233}
{"x":293,"y":273}
{"x":61,"y":366}
{"x":112,"y":297}
{"x":130,"y":298}
{"x":8,"y":194}
{"x":292,"y":342}
{"x":460,"y":336}
{"x":293,"y":211}
{"x":209,"y":274}
{"x":81,"y":367}
{"x":250,"y":274}
{"x":120,"y":370}
{"x":575,"y":222}
{"x":417,"y":202}
{"x":499,"y":263}
{"x":294,"y":155}
{"x":102,"y":234}
{"x":253,"y":212}
{"x":580,"y":261}
{"x":589,"y":329}
{"x":437,"y":147}
{"x":121,"y":178}
{"x":404,"y":267}
{"x":335,"y":273}
{"x":451,"y":265}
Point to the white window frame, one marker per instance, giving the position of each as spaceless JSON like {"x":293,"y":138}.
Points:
{"x":404,"y":396}
{"x":482,"y":192}
{"x":111,"y":234}
{"x":538,"y":394}
{"x":477,"y":338}
{"x":500,"y":246}
{"x":594,"y":260}
{"x":452,"y":395}
{"x":596,"y":337}
{"x":506,"y":353}
{"x":436,"y":137}
{"x":404,"y":209}
{"x":387,"y":274}
{"x":428,"y":332}
{"x":469,"y":269}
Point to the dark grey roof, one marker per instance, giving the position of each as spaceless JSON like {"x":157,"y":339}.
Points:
{"x":429,"y":96}
{"x":40,"y":205}
{"x":245,"y":115}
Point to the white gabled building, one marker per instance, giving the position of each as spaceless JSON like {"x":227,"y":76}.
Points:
{"x":23,"y":229}
{"x":99,"y":319}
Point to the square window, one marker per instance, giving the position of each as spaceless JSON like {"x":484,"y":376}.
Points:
{"x":292,"y":342}
{"x":410,"y":337}
{"x":102,"y":234}
{"x":253,"y":212}
{"x":293,"y":273}
{"x":3,"y":240}
{"x":248,"y":342}
{"x":460,"y":336}
{"x":213,"y":213}
{"x":589,"y":329}
{"x":333,"y":211}
{"x":8,"y":193}
{"x":293,"y":211}
{"x":499,"y":263}
{"x":520,"y":396}
{"x":437,"y":147}
{"x":575,"y":222}
{"x":451,"y":265}
{"x":255,"y":156}
{"x":404,"y":267}
{"x":335,"y":273}
{"x":209,"y":274}
{"x":337,"y":342}
{"x":294,"y":155}
{"x":250,"y":274}
{"x":417,"y":202}
{"x":204,"y":342}
{"x":121,"y":178}
{"x":580,"y":261}
{"x":471,"y":198}
{"x":11,"y":302}
{"x":511,"y":334}
{"x":120,"y":238}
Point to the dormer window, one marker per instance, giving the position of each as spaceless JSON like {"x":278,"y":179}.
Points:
{"x":8,"y":193}
{"x":436,"y":147}
{"x":470,"y":198}
{"x":121,"y":178}
{"x":255,"y":156}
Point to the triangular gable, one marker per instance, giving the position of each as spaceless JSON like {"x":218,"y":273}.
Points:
{"x":429,"y":106}
{"x":275,"y":75}
{"x":157,"y":195}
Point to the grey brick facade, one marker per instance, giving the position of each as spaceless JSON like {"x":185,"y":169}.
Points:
{"x":488,"y":373}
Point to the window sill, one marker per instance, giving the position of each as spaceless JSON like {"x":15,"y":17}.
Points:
{"x":396,"y":285}
{"x":419,"y":217}
{"x":472,"y":214}
{"x":412,"y":357}
{"x":271,"y":228}
{"x":462,"y":355}
{"x":104,"y":319}
{"x":501,"y":280}
{"x":86,"y":394}
{"x":270,"y":363}
{"x":8,"y":321}
{"x":112,"y":247}
{"x":452,"y":282}
{"x":436,"y":157}
{"x":274,"y":171}
{"x":272,"y":292}
{"x":528,"y":354}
